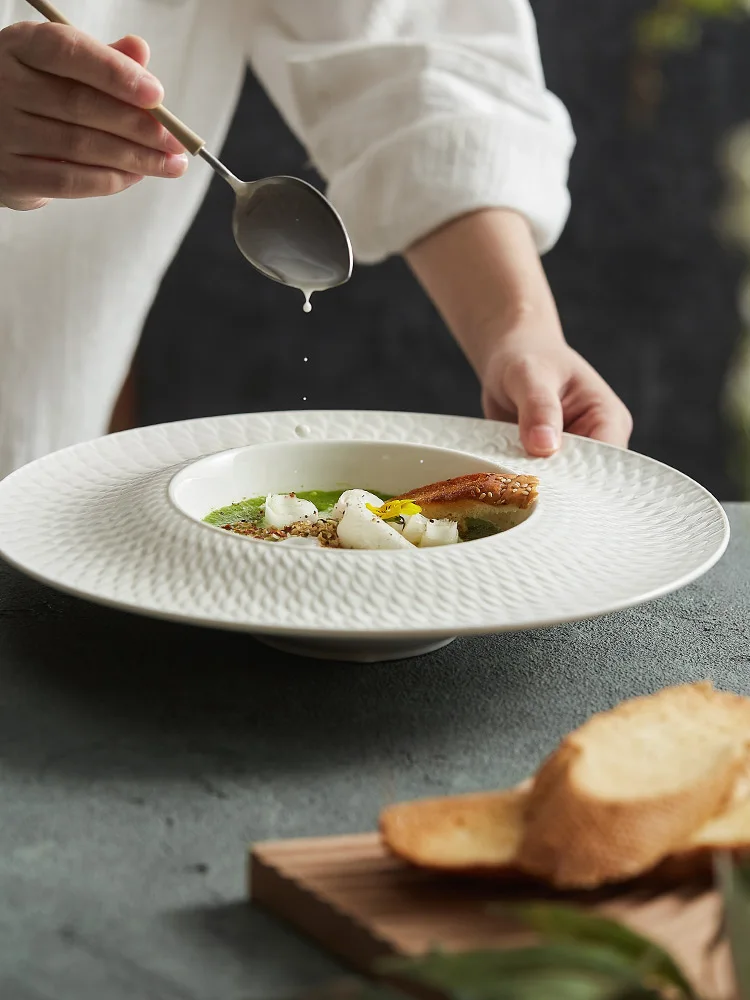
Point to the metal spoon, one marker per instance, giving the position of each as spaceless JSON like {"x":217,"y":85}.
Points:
{"x":284,"y":226}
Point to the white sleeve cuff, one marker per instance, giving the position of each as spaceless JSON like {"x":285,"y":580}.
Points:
{"x":416,"y":113}
{"x":438,"y":169}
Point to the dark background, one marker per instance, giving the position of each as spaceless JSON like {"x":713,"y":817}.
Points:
{"x":645,"y":290}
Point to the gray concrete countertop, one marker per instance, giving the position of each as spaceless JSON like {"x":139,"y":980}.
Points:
{"x":138,"y":759}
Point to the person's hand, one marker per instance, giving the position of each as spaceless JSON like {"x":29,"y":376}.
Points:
{"x":73,"y":122}
{"x":547,"y":387}
{"x":483,"y":273}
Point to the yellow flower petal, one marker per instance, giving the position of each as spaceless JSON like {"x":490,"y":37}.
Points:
{"x":395,"y":508}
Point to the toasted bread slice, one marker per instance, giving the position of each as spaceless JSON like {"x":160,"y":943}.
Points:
{"x":501,"y":499}
{"x":728,"y":832}
{"x":667,"y":760}
{"x":477,"y":834}
{"x":632,"y":785}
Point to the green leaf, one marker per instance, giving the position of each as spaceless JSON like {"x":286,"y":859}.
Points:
{"x":565,"y":972}
{"x":734,"y":883}
{"x":556,"y":922}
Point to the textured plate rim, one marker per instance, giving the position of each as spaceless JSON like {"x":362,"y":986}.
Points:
{"x":201,"y":619}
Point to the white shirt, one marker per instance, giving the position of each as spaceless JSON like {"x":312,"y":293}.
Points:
{"x":415,"y":111}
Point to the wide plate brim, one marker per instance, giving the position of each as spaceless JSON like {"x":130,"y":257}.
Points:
{"x":614,"y":529}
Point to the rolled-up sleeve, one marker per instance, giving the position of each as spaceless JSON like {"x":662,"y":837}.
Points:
{"x":418,"y":111}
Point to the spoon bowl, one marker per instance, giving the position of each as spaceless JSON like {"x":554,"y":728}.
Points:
{"x":288,"y":231}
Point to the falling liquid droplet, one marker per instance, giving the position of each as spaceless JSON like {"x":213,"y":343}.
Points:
{"x":304,"y":399}
{"x":302,"y":431}
{"x":307,"y":307}
{"x":304,"y":359}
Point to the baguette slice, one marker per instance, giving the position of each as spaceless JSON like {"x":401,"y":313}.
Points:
{"x":633,"y":785}
{"x":483,"y":834}
{"x":728,"y":832}
{"x":479,"y":835}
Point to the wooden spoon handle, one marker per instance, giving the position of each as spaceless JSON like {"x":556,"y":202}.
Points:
{"x":50,"y":12}
{"x":189,"y":139}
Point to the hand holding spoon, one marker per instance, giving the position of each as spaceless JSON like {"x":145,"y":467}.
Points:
{"x":284,"y":226}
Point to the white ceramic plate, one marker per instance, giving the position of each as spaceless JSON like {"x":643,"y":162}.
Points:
{"x":114,"y":521}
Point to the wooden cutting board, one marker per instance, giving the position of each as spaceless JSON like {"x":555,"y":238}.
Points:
{"x":360,"y":904}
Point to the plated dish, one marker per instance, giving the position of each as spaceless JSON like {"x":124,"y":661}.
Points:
{"x":452,"y":511}
{"x":609,"y":529}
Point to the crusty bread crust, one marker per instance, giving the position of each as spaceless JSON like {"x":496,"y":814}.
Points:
{"x":594,"y":841}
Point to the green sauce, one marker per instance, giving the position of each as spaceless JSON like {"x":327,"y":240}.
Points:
{"x":252,"y":509}
{"x":245,"y":510}
{"x":475,"y":528}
